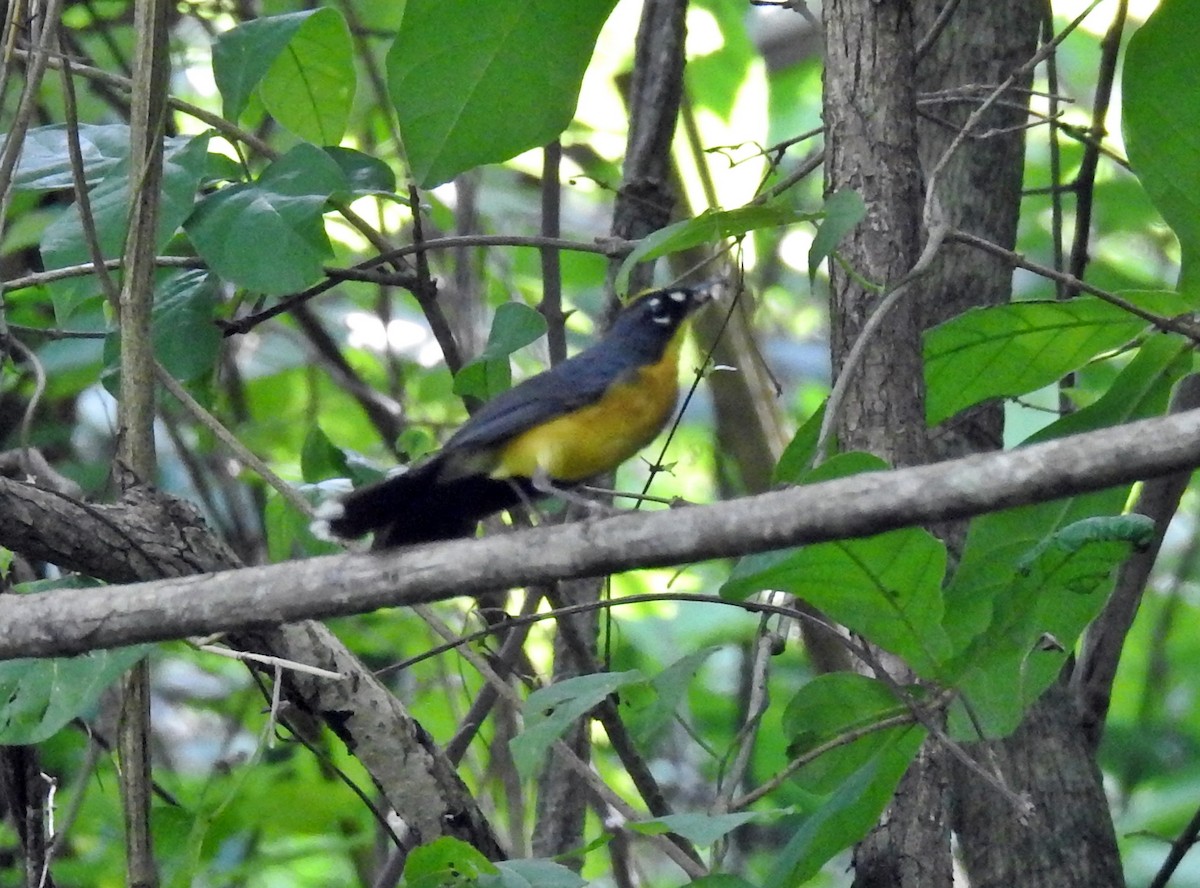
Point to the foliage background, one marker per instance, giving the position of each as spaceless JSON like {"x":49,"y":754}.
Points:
{"x":257,"y":206}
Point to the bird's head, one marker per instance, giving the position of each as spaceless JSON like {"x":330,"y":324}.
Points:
{"x":658,"y":314}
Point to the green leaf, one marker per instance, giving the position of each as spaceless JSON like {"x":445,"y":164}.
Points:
{"x":242,"y":56}
{"x":480,"y":81}
{"x":551,"y":710}
{"x":886,"y":587}
{"x":186,"y":340}
{"x":796,"y":461}
{"x":309,"y":88}
{"x":63,"y":243}
{"x":720,"y":880}
{"x":703,"y":829}
{"x":530,"y":873}
{"x":848,"y":813}
{"x":320,"y":459}
{"x":710,"y":227}
{"x":996,"y":542}
{"x":514,"y":326}
{"x":667,"y":690}
{"x":45,"y":161}
{"x":365,"y":175}
{"x":445,"y":862}
{"x":1141,"y":389}
{"x":843,"y":211}
{"x":1057,"y":588}
{"x":1008,"y":350}
{"x":829,"y":707}
{"x":1161,"y":120}
{"x":41,"y":696}
{"x":283,"y":209}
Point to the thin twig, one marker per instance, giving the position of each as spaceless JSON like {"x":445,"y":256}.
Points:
{"x":937,"y":234}
{"x":581,"y":768}
{"x":608,"y":247}
{"x":276,"y":662}
{"x":210,"y":422}
{"x":1085,"y":178}
{"x":1179,"y":325}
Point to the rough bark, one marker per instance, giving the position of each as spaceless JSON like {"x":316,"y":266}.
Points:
{"x":871,"y":147}
{"x":1070,"y":840}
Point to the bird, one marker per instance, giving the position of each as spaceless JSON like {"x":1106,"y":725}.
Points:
{"x":571,"y":423}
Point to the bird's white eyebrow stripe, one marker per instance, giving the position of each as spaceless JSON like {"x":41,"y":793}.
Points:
{"x":677,"y":295}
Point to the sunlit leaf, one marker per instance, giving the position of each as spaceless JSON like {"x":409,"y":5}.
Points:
{"x":1009,"y":350}
{"x":710,"y":227}
{"x":444,"y":862}
{"x":309,"y":88}
{"x":480,"y":81}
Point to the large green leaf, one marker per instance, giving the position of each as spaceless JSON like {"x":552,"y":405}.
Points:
{"x":310,"y":86}
{"x":480,"y":81}
{"x":847,"y":814}
{"x":45,"y":162}
{"x":831,"y":706}
{"x":242,"y":56}
{"x":41,"y":696}
{"x":1161,"y":120}
{"x":268,"y":236}
{"x":1009,"y":350}
{"x":996,"y":613}
{"x":445,"y":862}
{"x":63,"y":244}
{"x":186,"y":340}
{"x":1057,"y":588}
{"x":886,"y":587}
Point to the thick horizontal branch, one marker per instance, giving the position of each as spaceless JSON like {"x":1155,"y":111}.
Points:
{"x":72,"y":621}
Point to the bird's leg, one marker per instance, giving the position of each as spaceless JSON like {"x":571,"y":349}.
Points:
{"x":672,"y":501}
{"x":526,"y":499}
{"x":544,"y":484}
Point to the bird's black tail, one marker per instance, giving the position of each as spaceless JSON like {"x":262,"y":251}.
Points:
{"x":419,"y":506}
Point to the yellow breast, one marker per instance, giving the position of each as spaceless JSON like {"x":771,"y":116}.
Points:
{"x":599,"y":437}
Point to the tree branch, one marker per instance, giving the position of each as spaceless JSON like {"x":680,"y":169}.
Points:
{"x":71,"y":621}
